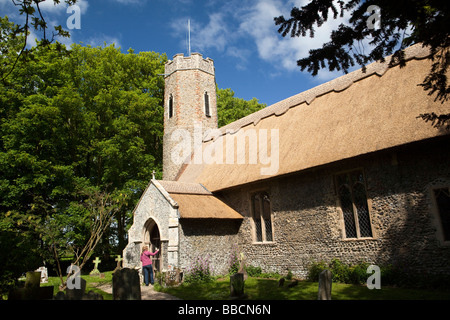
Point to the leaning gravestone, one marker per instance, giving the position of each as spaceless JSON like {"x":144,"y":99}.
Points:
{"x":324,"y":285}
{"x":126,"y":285}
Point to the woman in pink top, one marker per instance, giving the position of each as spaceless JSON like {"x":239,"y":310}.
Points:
{"x":147,"y":267}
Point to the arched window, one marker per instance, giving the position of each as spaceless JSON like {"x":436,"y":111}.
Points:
{"x":442,"y":200}
{"x":207,"y":110}
{"x":170,"y":106}
{"x":262,"y":217}
{"x":353,"y":199}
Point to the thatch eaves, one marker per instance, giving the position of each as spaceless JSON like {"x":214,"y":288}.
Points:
{"x":356,"y":114}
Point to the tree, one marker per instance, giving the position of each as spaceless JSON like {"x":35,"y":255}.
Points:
{"x":73,"y":120}
{"x":231,"y":108}
{"x":402,"y":23}
{"x":33,"y":19}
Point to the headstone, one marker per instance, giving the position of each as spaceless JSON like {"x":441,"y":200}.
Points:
{"x":237,"y":285}
{"x":119,"y":264}
{"x":95,"y":271}
{"x":32,"y":289}
{"x":281,"y":282}
{"x":76,"y":292}
{"x":126,"y":285}
{"x":325,"y":285}
{"x":33,"y":280}
{"x":242,"y":266}
{"x":44,"y":274}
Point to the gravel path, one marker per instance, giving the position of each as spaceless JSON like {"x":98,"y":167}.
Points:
{"x":147,"y":293}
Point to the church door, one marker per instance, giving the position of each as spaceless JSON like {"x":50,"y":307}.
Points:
{"x":153,"y":241}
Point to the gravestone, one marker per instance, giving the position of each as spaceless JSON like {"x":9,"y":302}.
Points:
{"x":237,"y":286}
{"x":126,"y":285}
{"x":76,"y":292}
{"x":44,"y":274}
{"x":31,"y":289}
{"x":119,"y":264}
{"x":95,"y":272}
{"x":325,"y":282}
{"x":33,"y":280}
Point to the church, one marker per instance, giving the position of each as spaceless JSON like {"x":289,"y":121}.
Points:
{"x":345,"y":170}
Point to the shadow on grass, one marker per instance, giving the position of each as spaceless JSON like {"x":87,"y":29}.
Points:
{"x":268,"y":289}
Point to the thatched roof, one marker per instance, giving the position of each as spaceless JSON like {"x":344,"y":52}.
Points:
{"x":355,"y":114}
{"x":194,"y":201}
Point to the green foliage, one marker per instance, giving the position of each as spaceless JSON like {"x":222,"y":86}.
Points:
{"x":231,"y":108}
{"x":390,"y":275}
{"x":74,"y":123}
{"x":253,"y":271}
{"x":343,"y":273}
{"x":314,"y":270}
{"x":289,"y":275}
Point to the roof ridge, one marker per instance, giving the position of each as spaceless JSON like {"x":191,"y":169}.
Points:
{"x":183,"y":187}
{"x":416,"y":51}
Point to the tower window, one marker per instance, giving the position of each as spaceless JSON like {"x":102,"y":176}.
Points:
{"x":207,"y":111}
{"x":170,"y":106}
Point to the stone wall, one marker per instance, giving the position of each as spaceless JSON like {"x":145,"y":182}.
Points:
{"x":308,"y":223}
{"x":208,"y":238}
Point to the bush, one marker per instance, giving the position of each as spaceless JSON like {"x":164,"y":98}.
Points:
{"x":340,"y":271}
{"x":358,"y":274}
{"x":253,"y":271}
{"x":315,"y":269}
{"x":199,"y":271}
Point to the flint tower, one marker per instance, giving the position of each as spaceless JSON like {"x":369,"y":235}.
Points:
{"x":189,"y":103}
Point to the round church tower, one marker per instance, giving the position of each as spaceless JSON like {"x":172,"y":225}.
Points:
{"x":189,"y":106}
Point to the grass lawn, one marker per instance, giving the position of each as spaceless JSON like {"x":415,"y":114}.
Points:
{"x":92,"y":284}
{"x":267,"y":289}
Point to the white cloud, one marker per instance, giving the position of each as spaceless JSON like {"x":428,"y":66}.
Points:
{"x":240,"y":26}
{"x":258,"y":23}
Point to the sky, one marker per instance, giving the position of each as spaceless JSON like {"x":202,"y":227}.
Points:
{"x":249,"y":54}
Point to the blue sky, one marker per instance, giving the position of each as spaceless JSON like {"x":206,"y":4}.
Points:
{"x":240,"y":36}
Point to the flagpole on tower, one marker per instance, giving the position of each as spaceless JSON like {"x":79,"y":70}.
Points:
{"x":189,"y":37}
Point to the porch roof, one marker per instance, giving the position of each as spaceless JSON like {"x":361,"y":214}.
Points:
{"x":196,"y":202}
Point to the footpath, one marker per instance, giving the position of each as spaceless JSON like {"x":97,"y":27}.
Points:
{"x":147,"y":293}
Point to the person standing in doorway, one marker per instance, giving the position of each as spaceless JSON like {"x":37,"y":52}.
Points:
{"x":147,"y":267}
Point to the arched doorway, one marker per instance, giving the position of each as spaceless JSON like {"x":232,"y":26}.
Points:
{"x":153,"y":240}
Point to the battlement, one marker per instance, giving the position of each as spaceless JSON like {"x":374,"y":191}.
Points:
{"x":193,"y":62}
